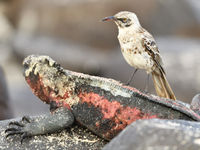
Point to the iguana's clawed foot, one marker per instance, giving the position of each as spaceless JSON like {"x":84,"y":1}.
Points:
{"x":22,"y":128}
{"x":49,"y":123}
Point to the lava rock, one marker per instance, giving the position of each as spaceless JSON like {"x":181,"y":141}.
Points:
{"x":158,"y":134}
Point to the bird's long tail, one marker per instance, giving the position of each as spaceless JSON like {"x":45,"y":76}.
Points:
{"x":161,"y":85}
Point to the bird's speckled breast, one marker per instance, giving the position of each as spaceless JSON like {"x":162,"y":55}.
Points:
{"x":134,"y":52}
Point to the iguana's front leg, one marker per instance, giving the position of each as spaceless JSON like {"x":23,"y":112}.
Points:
{"x":50,"y":123}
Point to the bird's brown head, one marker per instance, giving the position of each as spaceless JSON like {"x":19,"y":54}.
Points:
{"x":124,"y":19}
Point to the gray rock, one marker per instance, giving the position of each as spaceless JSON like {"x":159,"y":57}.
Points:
{"x":158,"y":134}
{"x":195,"y":104}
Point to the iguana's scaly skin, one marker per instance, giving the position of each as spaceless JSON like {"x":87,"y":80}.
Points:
{"x":104,"y":106}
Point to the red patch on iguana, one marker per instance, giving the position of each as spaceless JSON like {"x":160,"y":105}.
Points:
{"x":47,"y":94}
{"x":38,"y":88}
{"x":113,"y":110}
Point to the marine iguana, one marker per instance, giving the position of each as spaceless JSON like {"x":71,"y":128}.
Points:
{"x":104,"y":106}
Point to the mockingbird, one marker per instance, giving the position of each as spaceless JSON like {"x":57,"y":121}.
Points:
{"x":140,"y":51}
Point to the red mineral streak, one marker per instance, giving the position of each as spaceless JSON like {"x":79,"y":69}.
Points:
{"x":113,"y":110}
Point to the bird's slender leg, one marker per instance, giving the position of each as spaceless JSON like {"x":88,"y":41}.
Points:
{"x":128,"y":82}
{"x":146,"y":84}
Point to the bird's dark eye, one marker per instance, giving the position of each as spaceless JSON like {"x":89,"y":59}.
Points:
{"x":123,"y":20}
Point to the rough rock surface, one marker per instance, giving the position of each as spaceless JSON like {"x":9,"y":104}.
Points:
{"x":158,"y":134}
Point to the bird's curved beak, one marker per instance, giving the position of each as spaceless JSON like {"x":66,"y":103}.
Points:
{"x":109,"y":18}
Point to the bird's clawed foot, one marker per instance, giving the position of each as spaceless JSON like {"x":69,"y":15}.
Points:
{"x":21,"y":128}
{"x":127,"y":83}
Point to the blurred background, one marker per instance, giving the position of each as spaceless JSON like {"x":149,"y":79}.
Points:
{"x":72,"y":34}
